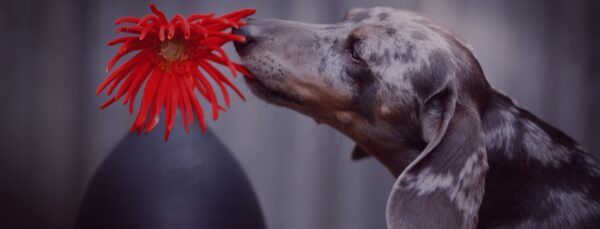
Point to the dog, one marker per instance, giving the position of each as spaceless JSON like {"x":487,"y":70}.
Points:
{"x":411,"y":93}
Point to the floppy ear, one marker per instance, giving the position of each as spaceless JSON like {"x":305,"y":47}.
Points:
{"x":444,"y":185}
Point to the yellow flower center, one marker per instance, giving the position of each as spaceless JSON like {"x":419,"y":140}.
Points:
{"x":173,"y":50}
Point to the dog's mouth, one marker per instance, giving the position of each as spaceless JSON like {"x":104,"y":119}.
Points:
{"x":268,"y":94}
{"x":257,"y":84}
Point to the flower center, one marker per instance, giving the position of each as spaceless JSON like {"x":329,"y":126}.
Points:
{"x":173,"y":50}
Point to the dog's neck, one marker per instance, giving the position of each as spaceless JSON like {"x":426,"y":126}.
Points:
{"x":394,"y":145}
{"x":394,"y":157}
{"x":502,"y":122}
{"x":514,"y":133}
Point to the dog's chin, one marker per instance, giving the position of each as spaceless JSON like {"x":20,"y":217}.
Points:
{"x":270,"y":95}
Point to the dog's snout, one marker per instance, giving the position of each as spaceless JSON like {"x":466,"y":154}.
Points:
{"x":259,"y":30}
{"x":250,"y":32}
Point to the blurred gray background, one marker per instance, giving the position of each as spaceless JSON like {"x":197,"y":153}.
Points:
{"x":543,"y":53}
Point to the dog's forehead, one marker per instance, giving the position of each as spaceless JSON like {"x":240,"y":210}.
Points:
{"x":401,"y":20}
{"x":384,"y":14}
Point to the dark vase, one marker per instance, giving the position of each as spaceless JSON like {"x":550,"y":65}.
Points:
{"x":191,"y":181}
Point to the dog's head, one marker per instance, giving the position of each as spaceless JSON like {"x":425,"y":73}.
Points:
{"x":396,"y":82}
{"x":372,"y":76}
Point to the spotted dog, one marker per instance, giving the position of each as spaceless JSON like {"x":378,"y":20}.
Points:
{"x":411,"y":94}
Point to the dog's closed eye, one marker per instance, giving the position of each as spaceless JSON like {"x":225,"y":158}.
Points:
{"x":352,"y":47}
{"x":357,"y":68}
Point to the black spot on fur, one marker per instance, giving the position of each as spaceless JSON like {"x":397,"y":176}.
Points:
{"x":375,"y":58}
{"x":383,"y":16}
{"x":387,"y":57}
{"x":390,"y":31}
{"x":380,"y":58}
{"x":409,"y":54}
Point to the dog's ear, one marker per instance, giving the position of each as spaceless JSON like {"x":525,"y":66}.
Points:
{"x":444,"y":185}
{"x":359,"y":153}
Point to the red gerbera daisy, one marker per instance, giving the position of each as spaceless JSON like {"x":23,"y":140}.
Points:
{"x":170,"y":57}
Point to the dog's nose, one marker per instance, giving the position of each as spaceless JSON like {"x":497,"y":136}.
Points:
{"x":249,"y":32}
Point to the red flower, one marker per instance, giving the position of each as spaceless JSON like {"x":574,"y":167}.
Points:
{"x":170,"y":54}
